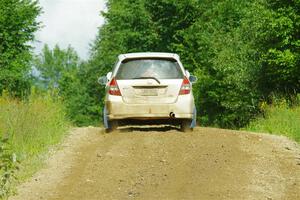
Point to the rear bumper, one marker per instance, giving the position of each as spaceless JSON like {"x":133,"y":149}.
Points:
{"x":183,"y":108}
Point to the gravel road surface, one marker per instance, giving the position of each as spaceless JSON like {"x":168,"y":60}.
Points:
{"x":163,"y":163}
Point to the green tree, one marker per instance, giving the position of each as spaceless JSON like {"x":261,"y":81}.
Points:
{"x":221,"y":47}
{"x":17,"y":26}
{"x":170,"y":17}
{"x":207,"y":37}
{"x":281,"y":59}
{"x":242,"y":51}
{"x":53,"y":64}
{"x":62,"y":69}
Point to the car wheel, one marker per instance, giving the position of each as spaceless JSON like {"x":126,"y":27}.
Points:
{"x":113,"y":125}
{"x":185,"y":125}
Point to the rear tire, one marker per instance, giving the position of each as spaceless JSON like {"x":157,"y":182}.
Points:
{"x":113,"y":125}
{"x":185,"y":125}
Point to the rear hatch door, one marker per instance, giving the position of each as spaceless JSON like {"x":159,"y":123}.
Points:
{"x":149,"y":91}
{"x":149,"y":80}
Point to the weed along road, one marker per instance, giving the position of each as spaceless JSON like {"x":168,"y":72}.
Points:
{"x":163,"y":163}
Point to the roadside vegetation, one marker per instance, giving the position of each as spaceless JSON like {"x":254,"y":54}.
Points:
{"x":279,"y":119}
{"x":28,"y":129}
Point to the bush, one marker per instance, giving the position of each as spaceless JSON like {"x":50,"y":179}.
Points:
{"x":32,"y":126}
{"x":17,"y":26}
{"x":8,"y":169}
{"x":279,"y":119}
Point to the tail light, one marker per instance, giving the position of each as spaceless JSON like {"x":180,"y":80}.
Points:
{"x":114,"y":88}
{"x":185,"y":87}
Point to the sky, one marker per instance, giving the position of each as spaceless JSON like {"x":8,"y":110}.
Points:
{"x":69,"y":22}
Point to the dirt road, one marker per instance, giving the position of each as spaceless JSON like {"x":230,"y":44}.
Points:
{"x":164,"y":163}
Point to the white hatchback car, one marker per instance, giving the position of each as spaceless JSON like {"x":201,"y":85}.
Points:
{"x":149,"y":88}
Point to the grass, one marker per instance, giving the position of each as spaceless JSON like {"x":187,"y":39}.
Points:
{"x":279,"y":119}
{"x":32,"y":126}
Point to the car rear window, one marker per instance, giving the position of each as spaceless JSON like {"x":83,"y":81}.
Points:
{"x":154,"y":67}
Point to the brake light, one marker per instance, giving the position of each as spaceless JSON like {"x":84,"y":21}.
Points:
{"x":185,"y":87}
{"x":114,"y":88}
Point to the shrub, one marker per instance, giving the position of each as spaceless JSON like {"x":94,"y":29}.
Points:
{"x":32,"y":126}
{"x":8,"y":169}
{"x":280,"y":119}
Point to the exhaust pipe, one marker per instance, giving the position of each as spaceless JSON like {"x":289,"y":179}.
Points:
{"x":172,"y":115}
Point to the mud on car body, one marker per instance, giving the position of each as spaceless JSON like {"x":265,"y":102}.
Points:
{"x":149,"y":88}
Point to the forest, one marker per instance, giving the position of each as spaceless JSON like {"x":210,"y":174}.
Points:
{"x":243,"y":52}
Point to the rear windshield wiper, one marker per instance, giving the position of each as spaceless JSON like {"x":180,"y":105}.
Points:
{"x":148,"y":77}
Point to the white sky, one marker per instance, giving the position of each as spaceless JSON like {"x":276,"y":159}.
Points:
{"x":73,"y":22}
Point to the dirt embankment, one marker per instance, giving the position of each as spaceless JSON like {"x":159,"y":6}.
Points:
{"x":166,"y":164}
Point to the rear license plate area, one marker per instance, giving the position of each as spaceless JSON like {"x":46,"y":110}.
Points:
{"x":149,"y":92}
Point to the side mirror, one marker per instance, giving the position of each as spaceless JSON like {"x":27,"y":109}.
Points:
{"x":193,"y":79}
{"x":102,"y":80}
{"x":187,"y":73}
{"x":108,"y":76}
